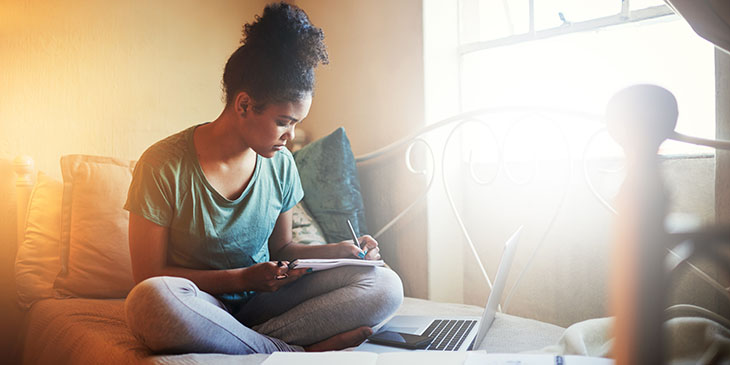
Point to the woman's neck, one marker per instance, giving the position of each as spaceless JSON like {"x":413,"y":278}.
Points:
{"x":220,"y":142}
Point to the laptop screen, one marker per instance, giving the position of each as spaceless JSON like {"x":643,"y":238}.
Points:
{"x":500,"y":281}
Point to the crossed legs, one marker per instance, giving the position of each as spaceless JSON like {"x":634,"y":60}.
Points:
{"x":172,"y":315}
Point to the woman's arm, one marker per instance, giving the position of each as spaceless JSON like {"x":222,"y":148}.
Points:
{"x":148,"y":251}
{"x":281,"y":246}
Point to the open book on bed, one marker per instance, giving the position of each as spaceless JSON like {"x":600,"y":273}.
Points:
{"x":427,"y":358}
{"x":324,"y":264}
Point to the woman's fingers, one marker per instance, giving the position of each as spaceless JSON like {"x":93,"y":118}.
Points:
{"x":373,"y":254}
{"x":282,"y":267}
{"x":290,"y":276}
{"x":370,"y":247}
{"x":283,"y":273}
{"x":367,"y":242}
{"x":299,"y":272}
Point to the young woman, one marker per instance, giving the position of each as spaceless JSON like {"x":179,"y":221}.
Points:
{"x":210,"y":219}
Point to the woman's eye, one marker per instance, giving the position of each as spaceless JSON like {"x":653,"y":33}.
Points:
{"x":282,"y":123}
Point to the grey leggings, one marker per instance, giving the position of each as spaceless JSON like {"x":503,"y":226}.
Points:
{"x":172,"y":315}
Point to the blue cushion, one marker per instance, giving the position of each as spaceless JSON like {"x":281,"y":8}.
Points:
{"x":331,"y":187}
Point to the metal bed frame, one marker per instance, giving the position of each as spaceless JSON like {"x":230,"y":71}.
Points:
{"x":639,"y":118}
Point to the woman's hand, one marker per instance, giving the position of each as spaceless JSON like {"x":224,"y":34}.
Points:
{"x":270,"y":276}
{"x":370,"y":250}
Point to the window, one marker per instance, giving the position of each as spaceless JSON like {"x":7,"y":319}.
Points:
{"x":565,"y":53}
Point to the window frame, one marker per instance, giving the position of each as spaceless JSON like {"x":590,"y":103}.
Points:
{"x":625,"y":16}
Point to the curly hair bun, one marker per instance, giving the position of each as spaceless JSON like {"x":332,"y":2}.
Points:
{"x":288,"y":27}
{"x":279,"y":52}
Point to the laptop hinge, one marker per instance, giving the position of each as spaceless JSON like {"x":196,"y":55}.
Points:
{"x":471,"y":345}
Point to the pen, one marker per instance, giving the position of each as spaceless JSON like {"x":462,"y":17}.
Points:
{"x":293,"y":264}
{"x":354,"y":238}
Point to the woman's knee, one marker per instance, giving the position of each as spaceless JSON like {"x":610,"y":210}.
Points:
{"x":156,"y":292}
{"x":383,"y":293}
{"x":150,"y":306}
{"x":390,"y":289}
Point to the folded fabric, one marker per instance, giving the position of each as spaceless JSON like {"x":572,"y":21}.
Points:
{"x":591,"y":337}
{"x":688,"y":340}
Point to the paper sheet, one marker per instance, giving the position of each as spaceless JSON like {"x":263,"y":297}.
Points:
{"x":422,"y":358}
{"x":322,"y":358}
{"x":324,"y":264}
{"x":366,"y":358}
{"x":482,"y":358}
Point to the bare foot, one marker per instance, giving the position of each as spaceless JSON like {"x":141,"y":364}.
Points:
{"x":342,"y":341}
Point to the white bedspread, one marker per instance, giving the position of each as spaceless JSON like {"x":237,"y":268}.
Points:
{"x":84,"y":331}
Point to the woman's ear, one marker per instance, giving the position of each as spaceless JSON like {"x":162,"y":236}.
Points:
{"x":242,"y":103}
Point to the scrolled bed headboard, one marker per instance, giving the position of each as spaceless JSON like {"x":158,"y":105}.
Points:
{"x":422,"y":158}
{"x":434,"y":179}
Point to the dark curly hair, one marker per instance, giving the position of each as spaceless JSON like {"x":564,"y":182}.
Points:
{"x":276,"y":60}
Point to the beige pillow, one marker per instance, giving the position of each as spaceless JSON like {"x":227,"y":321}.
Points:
{"x":94,"y":251}
{"x":37,"y":262}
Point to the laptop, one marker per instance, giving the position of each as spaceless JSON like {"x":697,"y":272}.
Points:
{"x":453,"y":333}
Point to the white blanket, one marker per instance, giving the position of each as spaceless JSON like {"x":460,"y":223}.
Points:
{"x":689,"y":340}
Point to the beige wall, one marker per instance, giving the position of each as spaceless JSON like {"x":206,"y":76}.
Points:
{"x":373,"y":85}
{"x":110,"y":77}
{"x":83,"y":76}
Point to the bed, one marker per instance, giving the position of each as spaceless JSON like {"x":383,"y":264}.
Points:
{"x":72,"y":274}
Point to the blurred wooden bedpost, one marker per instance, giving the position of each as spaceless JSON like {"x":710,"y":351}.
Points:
{"x":640,"y":118}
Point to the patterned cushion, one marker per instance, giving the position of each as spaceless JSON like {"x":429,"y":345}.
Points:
{"x":305,"y":229}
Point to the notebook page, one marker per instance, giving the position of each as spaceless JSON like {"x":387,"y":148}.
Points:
{"x":482,"y":358}
{"x":422,"y":358}
{"x":324,"y":264}
{"x":322,"y":358}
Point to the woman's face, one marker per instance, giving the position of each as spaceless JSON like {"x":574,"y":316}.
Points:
{"x":268,"y":131}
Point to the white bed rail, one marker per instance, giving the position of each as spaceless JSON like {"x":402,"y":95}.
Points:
{"x":485,"y":117}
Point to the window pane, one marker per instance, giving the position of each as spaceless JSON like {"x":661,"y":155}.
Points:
{"x":581,"y":71}
{"x":548,"y":13}
{"x":642,"y":4}
{"x":482,"y":20}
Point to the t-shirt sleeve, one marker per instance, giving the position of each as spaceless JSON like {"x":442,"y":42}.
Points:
{"x":294,"y":192}
{"x":150,"y":195}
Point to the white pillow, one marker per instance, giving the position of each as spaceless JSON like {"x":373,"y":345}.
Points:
{"x":94,"y":252}
{"x":37,"y":262}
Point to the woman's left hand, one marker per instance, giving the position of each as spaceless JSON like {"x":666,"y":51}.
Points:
{"x":369,"y":251}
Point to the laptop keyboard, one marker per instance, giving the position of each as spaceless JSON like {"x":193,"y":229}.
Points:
{"x":449,"y":333}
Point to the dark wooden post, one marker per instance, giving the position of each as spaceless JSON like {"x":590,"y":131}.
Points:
{"x":640,"y":118}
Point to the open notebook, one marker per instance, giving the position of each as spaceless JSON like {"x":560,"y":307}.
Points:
{"x":324,"y":264}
